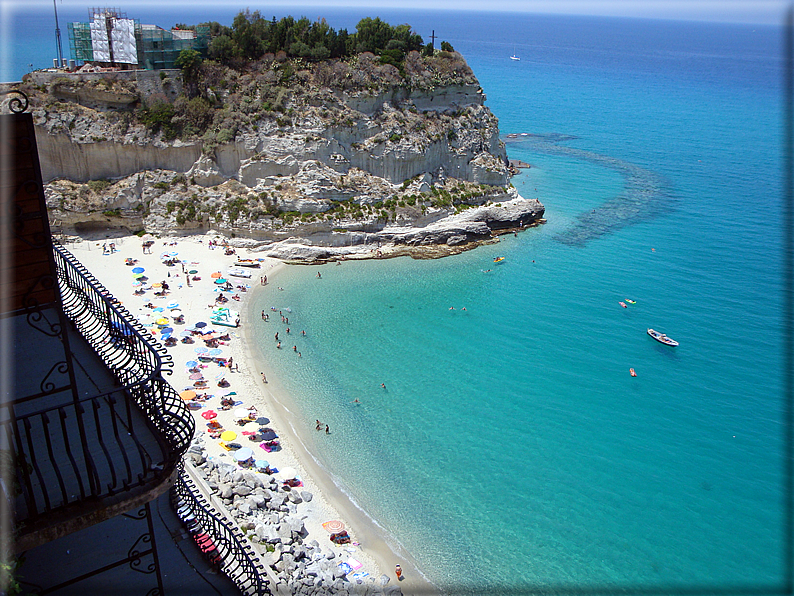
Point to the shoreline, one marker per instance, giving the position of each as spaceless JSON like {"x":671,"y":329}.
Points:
{"x":378,"y":551}
{"x":378,"y":543}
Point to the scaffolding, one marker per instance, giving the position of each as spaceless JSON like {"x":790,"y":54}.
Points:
{"x":111,"y":38}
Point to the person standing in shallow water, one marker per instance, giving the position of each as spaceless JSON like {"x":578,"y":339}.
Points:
{"x":327,"y":431}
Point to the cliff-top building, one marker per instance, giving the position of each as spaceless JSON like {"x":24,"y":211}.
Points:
{"x":112,"y":39}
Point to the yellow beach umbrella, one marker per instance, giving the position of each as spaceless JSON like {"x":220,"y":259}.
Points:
{"x":187,"y":395}
{"x":228,"y":435}
{"x":162,"y":321}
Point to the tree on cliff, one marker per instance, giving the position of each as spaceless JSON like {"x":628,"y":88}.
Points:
{"x":190,"y":63}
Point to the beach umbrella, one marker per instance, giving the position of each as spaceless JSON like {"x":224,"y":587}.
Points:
{"x":269,"y":435}
{"x":200,"y":325}
{"x":192,"y":272}
{"x":162,"y":322}
{"x":138,"y":270}
{"x":228,"y":435}
{"x":137,"y":284}
{"x":215,"y":352}
{"x":137,"y":275}
{"x":216,"y":275}
{"x":165,"y":336}
{"x":241,"y":413}
{"x":175,"y":312}
{"x":196,"y":376}
{"x":191,"y":363}
{"x":172,"y":305}
{"x":261,"y":463}
{"x":290,"y":473}
{"x":220,"y":281}
{"x":185,"y":333}
{"x":157,"y":284}
{"x":210,"y":335}
{"x":243,"y":454}
{"x":333,"y":526}
{"x":200,"y":350}
{"x":188,"y":395}
{"x":220,"y":376}
{"x":168,"y":330}
{"x":158,"y":309}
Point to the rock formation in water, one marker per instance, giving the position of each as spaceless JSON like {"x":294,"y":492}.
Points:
{"x":318,"y":155}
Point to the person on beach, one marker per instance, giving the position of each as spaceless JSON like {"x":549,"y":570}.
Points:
{"x":294,"y":348}
{"x":327,"y":431}
{"x":303,"y":333}
{"x":287,"y":329}
{"x":318,"y":425}
{"x":276,"y":335}
{"x":278,"y":345}
{"x":318,"y":274}
{"x":299,"y":354}
{"x":398,"y":571}
{"x":264,"y":379}
{"x":263,"y":315}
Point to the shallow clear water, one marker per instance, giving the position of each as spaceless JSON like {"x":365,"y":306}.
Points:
{"x":511,"y":448}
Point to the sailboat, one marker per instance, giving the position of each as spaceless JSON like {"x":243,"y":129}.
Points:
{"x":514,"y":57}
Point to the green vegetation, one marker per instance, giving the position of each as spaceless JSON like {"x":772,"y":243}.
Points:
{"x":251,"y":37}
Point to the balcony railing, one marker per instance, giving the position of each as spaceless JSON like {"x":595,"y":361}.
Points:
{"x":135,"y":358}
{"x":219,"y":539}
{"x":101,"y":448}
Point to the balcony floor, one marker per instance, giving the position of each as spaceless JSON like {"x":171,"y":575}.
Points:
{"x":184,"y":569}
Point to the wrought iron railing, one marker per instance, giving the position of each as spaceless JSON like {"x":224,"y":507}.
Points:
{"x":95,"y":448}
{"x":135,"y":358}
{"x":100,"y":446}
{"x":237,"y":558}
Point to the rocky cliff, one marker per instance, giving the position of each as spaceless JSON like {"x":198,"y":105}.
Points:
{"x":338,"y":153}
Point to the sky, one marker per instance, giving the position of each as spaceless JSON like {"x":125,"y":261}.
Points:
{"x":739,"y":11}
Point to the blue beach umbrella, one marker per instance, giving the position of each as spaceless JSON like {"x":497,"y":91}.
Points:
{"x":185,"y":334}
{"x":191,"y":363}
{"x":261,"y":463}
{"x":200,"y":324}
{"x":201,"y":350}
{"x":215,"y":352}
{"x":138,"y":270}
{"x":158,"y":309}
{"x":165,"y":330}
{"x":172,"y":305}
{"x":165,"y":336}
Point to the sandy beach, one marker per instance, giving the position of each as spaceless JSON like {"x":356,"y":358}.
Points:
{"x":377,"y":552}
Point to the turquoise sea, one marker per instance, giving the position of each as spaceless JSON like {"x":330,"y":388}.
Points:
{"x":511,"y":451}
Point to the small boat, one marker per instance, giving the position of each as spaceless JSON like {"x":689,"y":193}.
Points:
{"x":248,"y":263}
{"x":623,"y":304}
{"x":662,"y":338}
{"x":631,"y":301}
{"x":514,"y":57}
{"x":498,"y":259}
{"x":238,"y":272}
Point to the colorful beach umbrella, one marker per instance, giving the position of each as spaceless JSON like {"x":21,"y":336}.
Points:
{"x":165,"y":330}
{"x":192,"y":272}
{"x":261,"y":463}
{"x":138,"y":270}
{"x":162,"y":321}
{"x":243,"y":454}
{"x":200,"y":350}
{"x":216,"y":275}
{"x":157,"y":285}
{"x":200,"y":325}
{"x":188,"y":395}
{"x":215,"y":352}
{"x":158,"y":309}
{"x":196,"y":376}
{"x":228,"y":435}
{"x":220,"y":281}
{"x":209,"y":415}
{"x":269,"y":435}
{"x":172,"y":305}
{"x":191,"y":363}
{"x":137,"y":275}
{"x":333,"y":526}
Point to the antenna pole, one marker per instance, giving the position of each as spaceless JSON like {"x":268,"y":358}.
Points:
{"x":58,"y":35}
